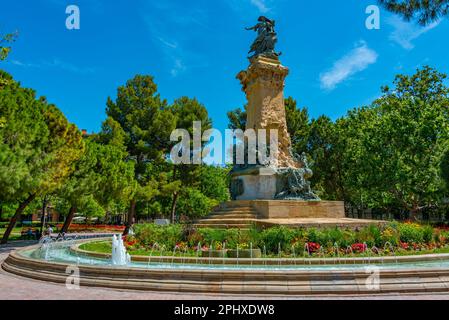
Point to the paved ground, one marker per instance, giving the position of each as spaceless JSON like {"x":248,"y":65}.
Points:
{"x":18,"y":288}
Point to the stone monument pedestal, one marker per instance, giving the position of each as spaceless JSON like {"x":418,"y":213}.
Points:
{"x":296,"y":209}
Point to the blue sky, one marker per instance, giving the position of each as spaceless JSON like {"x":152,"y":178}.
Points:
{"x":196,"y":48}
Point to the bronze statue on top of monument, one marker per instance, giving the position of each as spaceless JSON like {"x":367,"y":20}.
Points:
{"x":284,"y":178}
{"x":266,"y":39}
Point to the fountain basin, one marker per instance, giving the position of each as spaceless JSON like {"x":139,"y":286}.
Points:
{"x":344,"y":279}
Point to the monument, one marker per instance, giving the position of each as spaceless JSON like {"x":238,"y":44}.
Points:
{"x":277,"y":191}
{"x":285,"y":177}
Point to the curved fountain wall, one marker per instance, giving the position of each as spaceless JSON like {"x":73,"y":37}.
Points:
{"x":343,"y":280}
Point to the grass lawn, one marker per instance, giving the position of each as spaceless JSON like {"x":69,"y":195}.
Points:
{"x":15,"y":234}
{"x":106,"y":247}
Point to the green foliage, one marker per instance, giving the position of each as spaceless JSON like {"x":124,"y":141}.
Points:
{"x":214,"y":182}
{"x":273,"y":237}
{"x":4,"y":40}
{"x":38,"y":145}
{"x":193,"y":203}
{"x":402,"y":143}
{"x":151,"y":234}
{"x":425,"y":11}
{"x":297,"y":124}
{"x":145,"y":119}
{"x":237,"y":119}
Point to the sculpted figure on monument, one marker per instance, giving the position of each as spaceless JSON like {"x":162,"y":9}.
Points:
{"x":294,"y":184}
{"x":266,"y":38}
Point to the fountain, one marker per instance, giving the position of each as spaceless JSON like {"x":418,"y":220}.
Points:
{"x":119,"y":255}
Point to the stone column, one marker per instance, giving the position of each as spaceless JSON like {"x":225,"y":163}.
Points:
{"x":263,"y":82}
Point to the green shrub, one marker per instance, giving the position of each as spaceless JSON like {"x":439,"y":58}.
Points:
{"x":370,"y":235}
{"x":411,"y":233}
{"x":194,"y":204}
{"x":168,"y":236}
{"x":272,"y":237}
{"x":428,"y":234}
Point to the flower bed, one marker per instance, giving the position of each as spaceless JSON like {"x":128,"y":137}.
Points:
{"x":394,"y":238}
{"x":84,"y":228}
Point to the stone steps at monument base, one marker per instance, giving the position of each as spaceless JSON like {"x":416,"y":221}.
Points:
{"x":226,"y":221}
{"x":243,"y":227}
{"x":232,"y":216}
{"x":236,"y":209}
{"x":236,"y":204}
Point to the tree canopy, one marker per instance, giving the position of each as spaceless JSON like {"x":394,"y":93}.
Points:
{"x":424,"y":11}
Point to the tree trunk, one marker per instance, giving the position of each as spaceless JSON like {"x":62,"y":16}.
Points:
{"x":175,"y":198}
{"x":44,"y":209}
{"x":131,"y":215}
{"x":414,"y":213}
{"x":16,"y":217}
{"x":68,"y":219}
{"x":173,"y":207}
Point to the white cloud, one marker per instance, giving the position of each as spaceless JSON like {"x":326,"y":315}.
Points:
{"x":242,"y":7}
{"x":55,"y":63}
{"x":177,"y":68}
{"x":405,"y":32}
{"x":169,"y":44}
{"x":260,"y":5}
{"x":358,"y":59}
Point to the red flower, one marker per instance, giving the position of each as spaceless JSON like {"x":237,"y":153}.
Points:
{"x":404,"y":245}
{"x":358,"y":247}
{"x":313,"y":247}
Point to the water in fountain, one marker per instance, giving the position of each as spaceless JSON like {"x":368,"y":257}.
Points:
{"x":391,"y":247}
{"x":365,"y":250}
{"x":163,"y":248}
{"x":337,"y":252}
{"x":224,"y":252}
{"x":350,"y":251}
{"x":294,"y":254}
{"x":198,"y":252}
{"x":321,"y":255}
{"x":251,"y":252}
{"x":307,"y":250}
{"x":173,"y":256}
{"x":279,"y":253}
{"x":211,"y":248}
{"x":265,"y":254}
{"x":237,"y":254}
{"x":119,"y":255}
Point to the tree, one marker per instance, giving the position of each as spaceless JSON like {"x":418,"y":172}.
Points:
{"x":425,"y":11}
{"x":101,"y":178}
{"x":186,"y":111}
{"x":324,"y":148}
{"x":38,"y":147}
{"x":4,"y":41}
{"x":237,"y":119}
{"x":297,"y":125}
{"x":147,"y":123}
{"x":214,"y":182}
{"x":393,"y":149}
